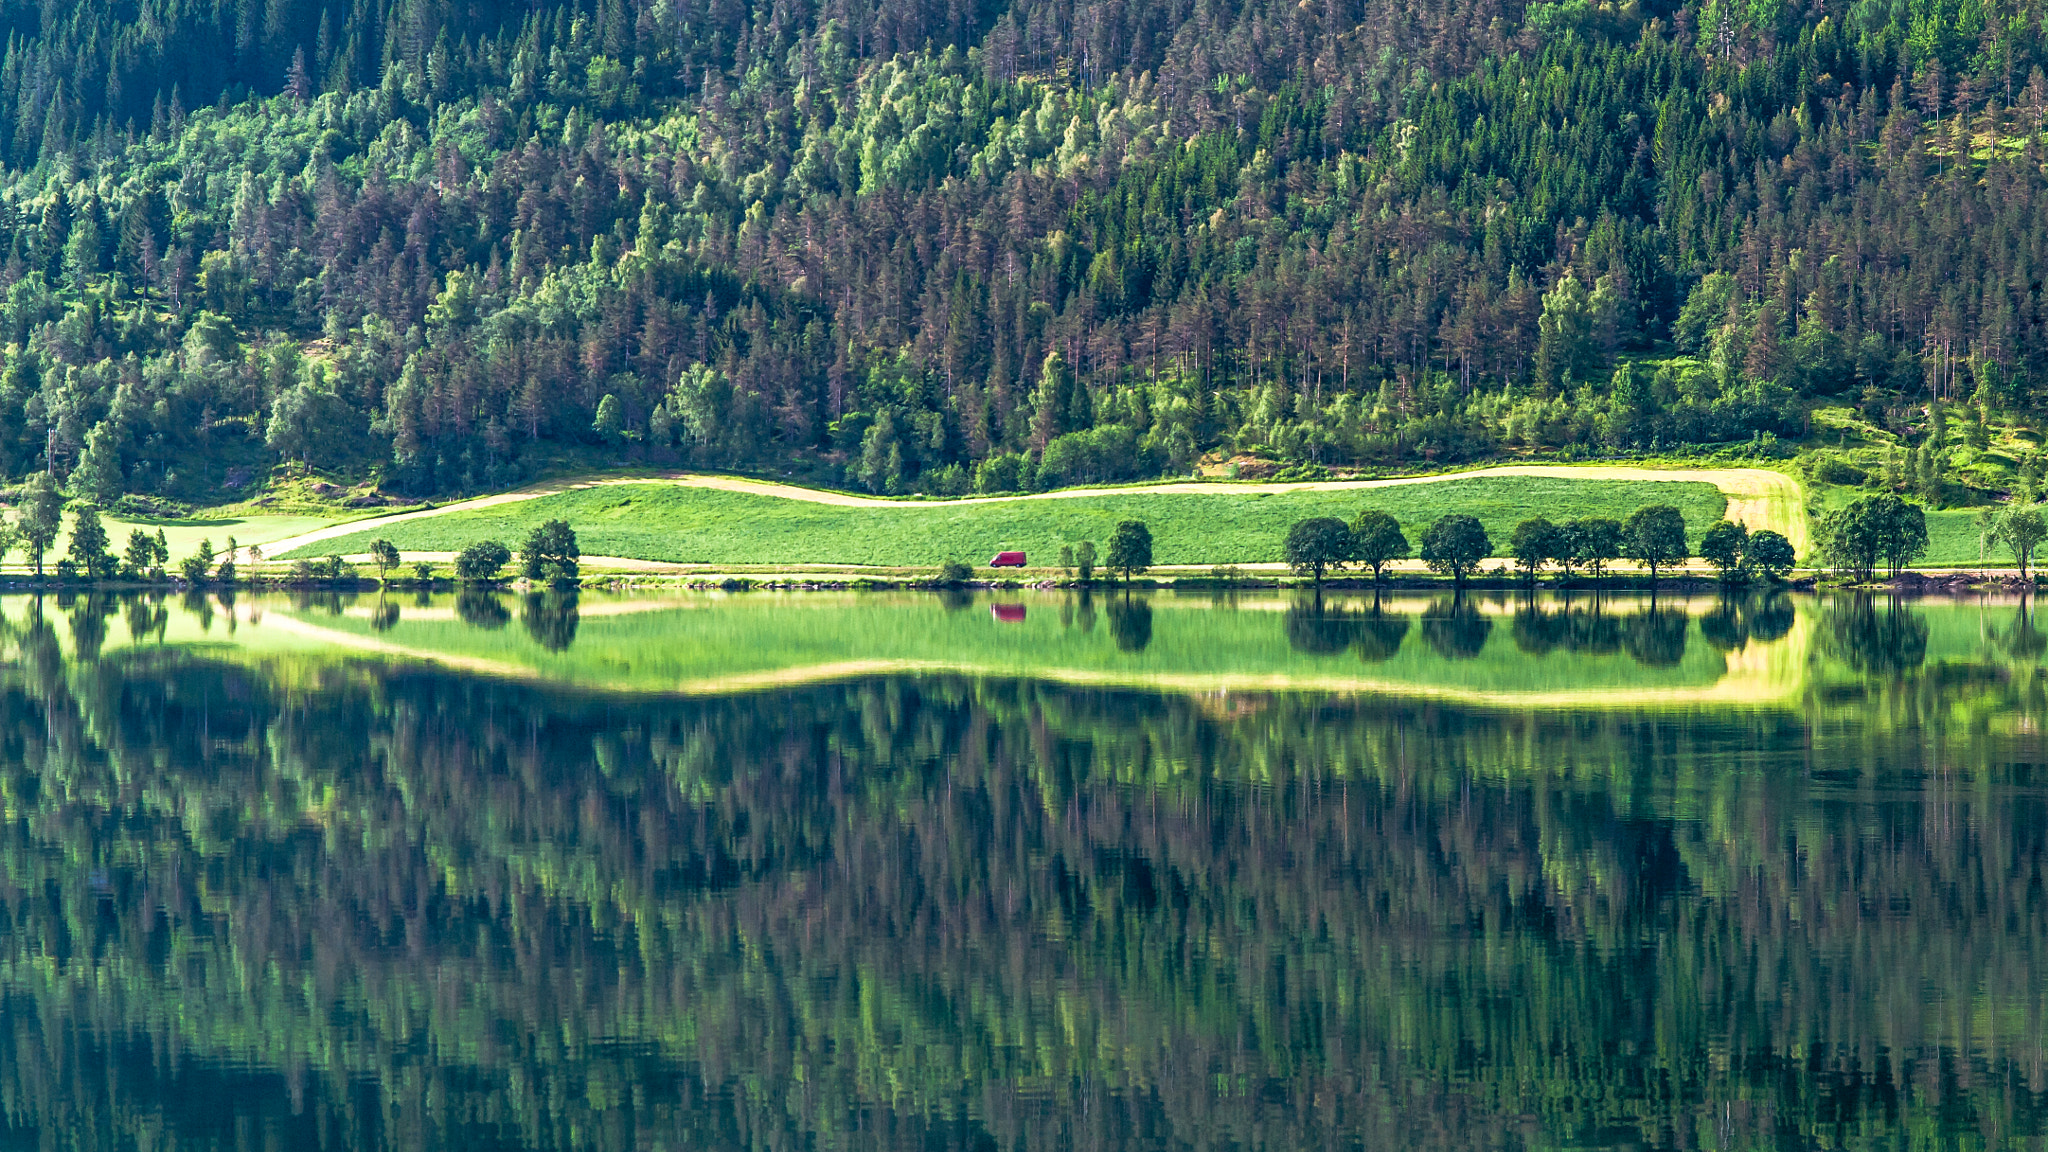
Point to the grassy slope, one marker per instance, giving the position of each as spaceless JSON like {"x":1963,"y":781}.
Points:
{"x":664,"y":522}
{"x":184,"y":536}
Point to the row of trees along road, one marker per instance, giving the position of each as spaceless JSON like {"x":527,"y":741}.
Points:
{"x":1455,"y":545}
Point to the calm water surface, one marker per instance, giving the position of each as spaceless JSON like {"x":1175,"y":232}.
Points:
{"x":1037,"y":872}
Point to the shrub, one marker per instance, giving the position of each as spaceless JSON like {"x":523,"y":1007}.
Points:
{"x":482,"y":560}
{"x":950,"y":480}
{"x":551,"y":552}
{"x":134,"y":507}
{"x":1537,"y":542}
{"x":197,"y":566}
{"x":1770,"y":553}
{"x":384,"y":554}
{"x":1872,"y":530}
{"x":1377,"y":541}
{"x":1591,"y":542}
{"x":1724,"y":546}
{"x":1316,"y":544}
{"x":1130,"y":548}
{"x":1099,"y":455}
{"x":1003,"y":472}
{"x":1455,"y":545}
{"x":953,"y":573}
{"x":1655,"y":537}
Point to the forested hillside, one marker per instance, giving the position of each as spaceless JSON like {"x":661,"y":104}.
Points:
{"x":913,"y":245}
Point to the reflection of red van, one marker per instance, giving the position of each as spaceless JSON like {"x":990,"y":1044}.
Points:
{"x":1007,"y":613}
{"x":1007,"y":560}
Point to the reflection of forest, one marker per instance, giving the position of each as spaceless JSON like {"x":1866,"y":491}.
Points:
{"x":346,"y":905}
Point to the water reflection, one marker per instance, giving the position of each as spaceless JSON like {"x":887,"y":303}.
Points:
{"x":481,"y":608}
{"x":1380,"y":633}
{"x":1655,"y":636}
{"x":1454,"y":628}
{"x":1876,"y":635}
{"x":277,"y":897}
{"x":1130,"y":622}
{"x":1319,"y":628}
{"x":2021,"y":638}
{"x":550,"y":618}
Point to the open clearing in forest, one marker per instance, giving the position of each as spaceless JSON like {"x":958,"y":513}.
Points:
{"x":698,"y":519}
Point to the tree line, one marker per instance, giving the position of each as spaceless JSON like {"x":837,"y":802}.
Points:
{"x":1456,"y":544}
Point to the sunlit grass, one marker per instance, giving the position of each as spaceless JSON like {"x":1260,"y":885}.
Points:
{"x":701,"y":525}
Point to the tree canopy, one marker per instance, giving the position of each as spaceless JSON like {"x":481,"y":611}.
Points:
{"x":919,"y":247}
{"x":1318,"y":544}
{"x":1454,"y":545}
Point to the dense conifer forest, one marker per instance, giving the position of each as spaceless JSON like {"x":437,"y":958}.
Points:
{"x":912,"y":245}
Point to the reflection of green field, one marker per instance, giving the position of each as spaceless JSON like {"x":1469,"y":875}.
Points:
{"x":698,"y":644}
{"x":715,"y":644}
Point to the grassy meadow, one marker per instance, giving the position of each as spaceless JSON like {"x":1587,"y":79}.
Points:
{"x":665,"y":522}
{"x":184,"y":536}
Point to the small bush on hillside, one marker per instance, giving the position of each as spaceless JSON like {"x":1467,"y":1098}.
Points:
{"x":1003,"y":472}
{"x":482,"y":560}
{"x":133,"y":507}
{"x":950,"y":480}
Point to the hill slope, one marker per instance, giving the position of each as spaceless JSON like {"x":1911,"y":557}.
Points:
{"x":1009,"y":244}
{"x":724,"y":520}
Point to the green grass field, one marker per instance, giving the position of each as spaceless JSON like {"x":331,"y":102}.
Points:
{"x":698,"y":525}
{"x":184,"y":536}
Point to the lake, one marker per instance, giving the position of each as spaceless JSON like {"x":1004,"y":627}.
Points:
{"x":1021,"y":871}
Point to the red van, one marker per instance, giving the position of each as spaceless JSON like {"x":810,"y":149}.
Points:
{"x":1007,"y":560}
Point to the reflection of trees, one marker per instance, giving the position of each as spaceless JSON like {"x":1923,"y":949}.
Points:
{"x":384,"y":617}
{"x":343,"y":891}
{"x":1655,"y":636}
{"x":307,"y":600}
{"x":1770,"y":617}
{"x":1380,"y":634}
{"x":1454,"y":628}
{"x":2021,"y":639}
{"x":1130,"y":622}
{"x":200,"y":608}
{"x":1737,"y":620}
{"x":144,"y":616}
{"x":550,"y":618}
{"x":89,"y":624}
{"x":1724,"y":628}
{"x":480,"y":609}
{"x":1872,"y":639}
{"x":1594,"y":632}
{"x":1320,"y":629}
{"x":1538,"y":632}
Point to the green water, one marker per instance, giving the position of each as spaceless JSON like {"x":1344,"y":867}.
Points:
{"x":816,"y":872}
